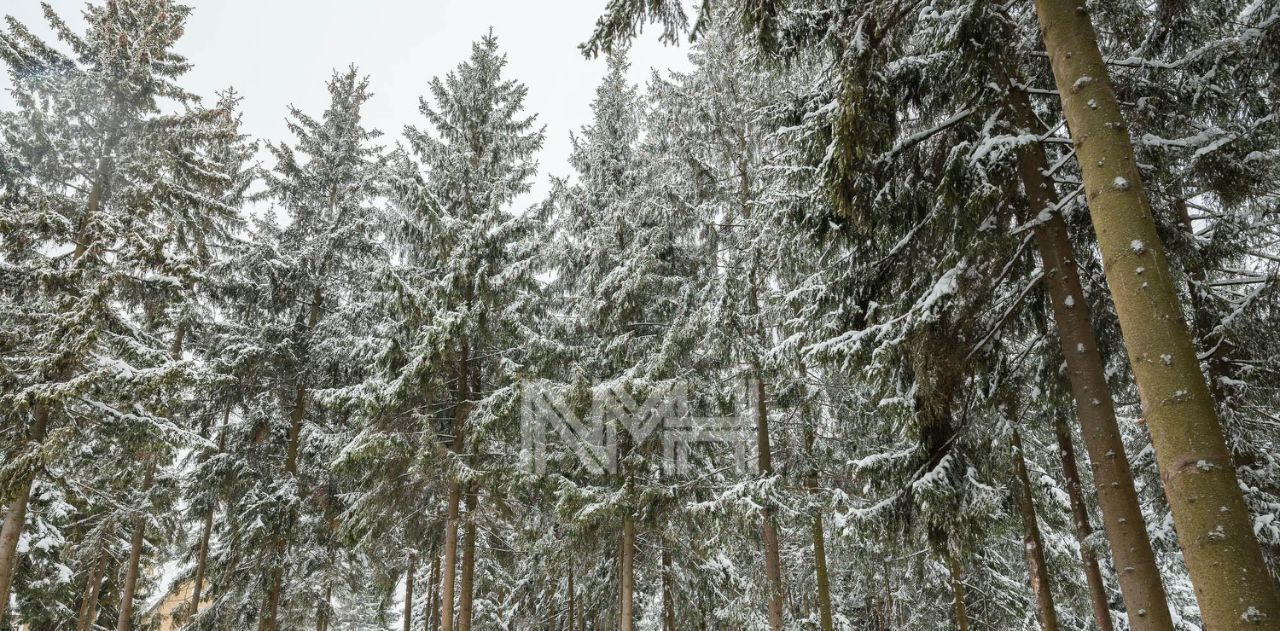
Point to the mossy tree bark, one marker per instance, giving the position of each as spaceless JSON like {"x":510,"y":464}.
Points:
{"x":16,"y":513}
{"x":1222,"y":555}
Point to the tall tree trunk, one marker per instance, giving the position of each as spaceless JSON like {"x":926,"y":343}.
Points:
{"x":433,"y":609}
{"x":202,"y":554}
{"x":819,"y":543}
{"x":1140,"y":583}
{"x":93,"y":585}
{"x":572,"y":611}
{"x":628,"y":557}
{"x":668,"y":598}
{"x":455,"y":490}
{"x":125,"y":620}
{"x":958,"y":592}
{"x":764,"y":461}
{"x":468,"y":564}
{"x":16,"y":513}
{"x":408,"y":590}
{"x":1080,"y":515}
{"x":1037,"y":568}
{"x":1222,"y":555}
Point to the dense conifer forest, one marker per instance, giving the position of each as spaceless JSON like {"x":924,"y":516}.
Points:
{"x":883,"y":315}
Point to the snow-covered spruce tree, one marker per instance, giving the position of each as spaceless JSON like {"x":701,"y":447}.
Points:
{"x":105,"y":188}
{"x":298,"y":299}
{"x":476,"y":157}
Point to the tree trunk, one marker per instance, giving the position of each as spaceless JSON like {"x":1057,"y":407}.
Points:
{"x":819,"y":542}
{"x":202,"y":555}
{"x":16,"y":513}
{"x":958,"y":592}
{"x":1223,"y":557}
{"x":455,"y":491}
{"x":572,"y":611}
{"x":1037,"y":568}
{"x":433,"y":612}
{"x":1140,"y":582}
{"x":628,"y":554}
{"x":408,"y":591}
{"x":468,"y":564}
{"x":668,"y":598}
{"x":1080,"y":515}
{"x":89,"y":604}
{"x":764,"y":461}
{"x":125,"y":620}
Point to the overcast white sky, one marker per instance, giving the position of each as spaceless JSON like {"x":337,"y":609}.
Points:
{"x":280,"y":52}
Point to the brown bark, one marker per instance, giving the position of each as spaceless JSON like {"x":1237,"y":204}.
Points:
{"x":572,"y":611}
{"x":1080,"y":515}
{"x":1222,"y":554}
{"x":819,"y":543}
{"x":668,"y":598}
{"x":455,"y":490}
{"x":1140,"y":582}
{"x":125,"y":621}
{"x":627,"y":564}
{"x":468,"y":565}
{"x":764,"y":461}
{"x":202,"y":555}
{"x":93,"y":585}
{"x":16,"y":513}
{"x":433,"y":609}
{"x":1033,"y":544}
{"x":958,"y":592}
{"x":408,"y":590}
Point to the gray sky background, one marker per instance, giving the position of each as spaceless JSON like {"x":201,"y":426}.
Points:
{"x":281,"y":52}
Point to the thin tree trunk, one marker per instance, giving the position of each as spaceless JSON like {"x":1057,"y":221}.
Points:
{"x":455,"y":491}
{"x":1222,"y":555}
{"x":572,"y":611}
{"x":408,"y":591}
{"x":89,"y":604}
{"x":958,"y":592}
{"x":125,"y":620}
{"x":433,"y":613}
{"x":1140,"y":582}
{"x":1203,"y":322}
{"x":16,"y":513}
{"x":764,"y":461}
{"x":822,"y":579}
{"x":468,"y":564}
{"x":202,"y":556}
{"x":628,"y":554}
{"x":1080,"y":515}
{"x":1037,"y":568}
{"x":668,"y":598}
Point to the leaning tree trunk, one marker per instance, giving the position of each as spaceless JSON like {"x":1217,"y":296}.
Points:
{"x":125,"y":620}
{"x":1037,"y":568}
{"x":16,"y":513}
{"x":627,"y":563}
{"x":465,"y":603}
{"x":88,"y":614}
{"x":455,"y":492}
{"x":1222,"y":554}
{"x":1140,"y":583}
{"x":1080,"y":515}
